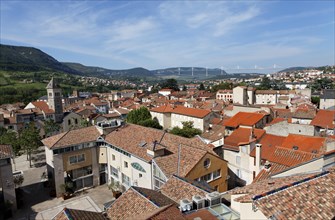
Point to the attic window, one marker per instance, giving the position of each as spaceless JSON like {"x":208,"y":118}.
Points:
{"x":207,"y":163}
{"x":295,"y":147}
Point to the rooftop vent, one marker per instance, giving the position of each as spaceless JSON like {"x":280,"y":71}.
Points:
{"x":142,"y":143}
{"x":267,"y":165}
{"x":185,"y":205}
{"x":198,"y":202}
{"x":213,"y":198}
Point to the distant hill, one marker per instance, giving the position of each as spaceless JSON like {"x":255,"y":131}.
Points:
{"x":292,"y":69}
{"x":27,"y":59}
{"x":99,"y":71}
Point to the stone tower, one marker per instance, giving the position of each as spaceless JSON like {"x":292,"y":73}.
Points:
{"x":55,"y":99}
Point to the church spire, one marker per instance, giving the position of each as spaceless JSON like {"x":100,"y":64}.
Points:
{"x":52,"y":84}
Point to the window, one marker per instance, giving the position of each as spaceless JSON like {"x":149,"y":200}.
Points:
{"x":140,"y":175}
{"x":158,"y":184}
{"x":206,"y":177}
{"x":114,"y":172}
{"x":113,"y":157}
{"x":216,"y":174}
{"x":50,"y":94}
{"x":207,"y":163}
{"x":57,"y":94}
{"x":125,"y":164}
{"x":138,"y":167}
{"x":73,"y":159}
{"x":76,"y":121}
{"x":81,"y":158}
{"x":125,"y":179}
{"x":238,"y":160}
{"x":77,"y":158}
{"x":238,"y":172}
{"x":69,"y":122}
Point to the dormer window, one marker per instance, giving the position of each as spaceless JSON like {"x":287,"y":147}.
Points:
{"x":295,"y":147}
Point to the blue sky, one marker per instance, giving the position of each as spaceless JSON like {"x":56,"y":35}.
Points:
{"x":159,"y":34}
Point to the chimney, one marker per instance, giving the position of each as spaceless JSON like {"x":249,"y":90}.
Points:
{"x":258,"y":157}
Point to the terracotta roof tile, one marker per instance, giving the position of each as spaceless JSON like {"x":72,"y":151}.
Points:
{"x":313,"y":199}
{"x":201,"y":214}
{"x":304,"y":143}
{"x":167,"y":212}
{"x":193,"y":112}
{"x":242,"y":136}
{"x":129,"y":205}
{"x":215,"y":133}
{"x":72,"y":137}
{"x":263,"y":186}
{"x":130,"y":136}
{"x":276,"y":120}
{"x":244,"y":118}
{"x":177,"y":188}
{"x":5,"y":151}
{"x":189,"y":157}
{"x":267,"y":173}
{"x":304,"y":114}
{"x":74,"y":214}
{"x":43,"y":106}
{"x":324,"y":119}
{"x":135,"y":202}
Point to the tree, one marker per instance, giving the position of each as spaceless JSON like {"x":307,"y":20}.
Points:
{"x":51,"y":128}
{"x":187,"y":131}
{"x":142,"y":117}
{"x":184,"y":88}
{"x":137,"y":115}
{"x":170,"y":84}
{"x":201,"y":87}
{"x":223,"y":85}
{"x":30,"y":139}
{"x":265,"y":84}
{"x":84,"y":123}
{"x":315,"y":100}
{"x":150,"y":123}
{"x":10,"y":137}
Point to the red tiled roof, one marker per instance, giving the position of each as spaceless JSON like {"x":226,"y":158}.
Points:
{"x":241,"y":136}
{"x":193,"y":112}
{"x":324,"y":119}
{"x":72,"y":137}
{"x":189,"y":158}
{"x":313,"y":199}
{"x":201,"y":214}
{"x":305,"y":143}
{"x":130,"y":136}
{"x":276,"y":120}
{"x":129,"y":205}
{"x":176,"y":189}
{"x":169,"y":212}
{"x":43,"y":106}
{"x":244,"y":118}
{"x":75,"y":214}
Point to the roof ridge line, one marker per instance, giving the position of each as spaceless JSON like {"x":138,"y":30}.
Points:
{"x":133,"y":187}
{"x":189,"y":182}
{"x":60,"y":138}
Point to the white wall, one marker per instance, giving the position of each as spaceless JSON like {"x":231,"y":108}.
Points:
{"x":133,"y":174}
{"x":49,"y":156}
{"x":145,"y":180}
